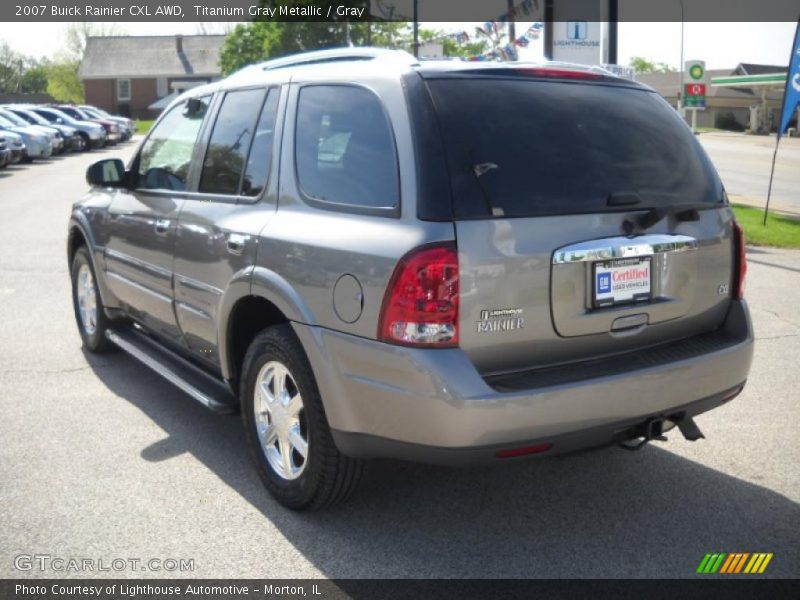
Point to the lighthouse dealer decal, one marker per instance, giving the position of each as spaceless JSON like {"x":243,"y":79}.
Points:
{"x":622,"y":281}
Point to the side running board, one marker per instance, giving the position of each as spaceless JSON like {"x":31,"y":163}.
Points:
{"x":208,"y":391}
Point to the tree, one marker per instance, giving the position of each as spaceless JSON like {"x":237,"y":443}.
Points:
{"x":78,"y":32}
{"x":19,"y":73}
{"x":642,"y":65}
{"x":451,"y":47}
{"x":34,"y":80}
{"x":63,"y":83}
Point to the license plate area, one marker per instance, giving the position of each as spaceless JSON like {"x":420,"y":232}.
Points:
{"x":622,"y":281}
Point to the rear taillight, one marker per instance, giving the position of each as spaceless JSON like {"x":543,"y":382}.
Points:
{"x":741,"y":262}
{"x":420,"y":307}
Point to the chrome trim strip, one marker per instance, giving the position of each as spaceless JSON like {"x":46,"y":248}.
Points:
{"x":623,"y":247}
{"x":197,"y":285}
{"x":138,"y":263}
{"x":166,"y":373}
{"x":195,"y":311}
{"x":138,"y":286}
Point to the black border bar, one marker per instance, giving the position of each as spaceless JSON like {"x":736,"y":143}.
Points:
{"x":700,"y":588}
{"x":478,"y":11}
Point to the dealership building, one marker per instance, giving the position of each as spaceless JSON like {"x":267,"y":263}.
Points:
{"x":137,"y":76}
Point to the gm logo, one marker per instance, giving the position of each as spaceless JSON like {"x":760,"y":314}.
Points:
{"x":603,"y":283}
{"x":576,"y":30}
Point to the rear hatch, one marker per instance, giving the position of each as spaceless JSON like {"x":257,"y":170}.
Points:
{"x":589,"y":221}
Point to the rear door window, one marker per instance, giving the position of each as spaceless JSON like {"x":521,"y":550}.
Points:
{"x":256,"y":172}
{"x":519,"y":148}
{"x":230,"y":141}
{"x":344,"y":148}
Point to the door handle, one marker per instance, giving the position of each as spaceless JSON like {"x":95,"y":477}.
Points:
{"x":162,"y":226}
{"x":236,"y":243}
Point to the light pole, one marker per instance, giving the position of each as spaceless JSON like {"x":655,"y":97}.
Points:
{"x":681,"y":108}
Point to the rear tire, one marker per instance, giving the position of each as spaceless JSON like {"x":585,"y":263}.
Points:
{"x":89,"y":312}
{"x":283,"y":415}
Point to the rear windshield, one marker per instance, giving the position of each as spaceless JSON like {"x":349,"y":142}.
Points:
{"x":531,"y":148}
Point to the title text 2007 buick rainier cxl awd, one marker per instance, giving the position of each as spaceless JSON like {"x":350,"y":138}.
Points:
{"x":446,"y":262}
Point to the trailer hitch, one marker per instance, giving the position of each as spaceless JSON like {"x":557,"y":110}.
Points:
{"x":654,"y":428}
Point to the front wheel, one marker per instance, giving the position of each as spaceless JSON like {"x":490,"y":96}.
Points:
{"x":286,"y":427}
{"x":89,"y":313}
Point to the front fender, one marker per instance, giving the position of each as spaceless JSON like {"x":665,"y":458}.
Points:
{"x":79,"y":225}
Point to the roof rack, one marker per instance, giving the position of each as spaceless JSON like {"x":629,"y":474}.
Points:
{"x":331,"y":55}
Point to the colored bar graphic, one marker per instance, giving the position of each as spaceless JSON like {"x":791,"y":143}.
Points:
{"x":727,"y":564}
{"x":703,"y":563}
{"x":740,"y":564}
{"x":718,"y":563}
{"x":765,"y":563}
{"x":734,"y":563}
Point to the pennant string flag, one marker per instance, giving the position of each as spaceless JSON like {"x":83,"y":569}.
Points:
{"x":494,"y":27}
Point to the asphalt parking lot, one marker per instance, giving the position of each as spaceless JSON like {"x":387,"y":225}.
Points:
{"x":100,"y":458}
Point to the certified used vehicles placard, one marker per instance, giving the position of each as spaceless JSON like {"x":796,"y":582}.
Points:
{"x":621,"y":281}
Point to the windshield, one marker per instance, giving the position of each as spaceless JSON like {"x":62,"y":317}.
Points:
{"x":72,"y":112}
{"x":15,"y":119}
{"x":52,"y":114}
{"x":32,"y":117}
{"x":6,"y":123}
{"x":532,"y":147}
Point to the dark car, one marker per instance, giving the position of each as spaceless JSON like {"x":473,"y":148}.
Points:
{"x":5,"y":153}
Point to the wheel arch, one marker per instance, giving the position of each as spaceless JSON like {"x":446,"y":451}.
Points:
{"x":255,"y":299}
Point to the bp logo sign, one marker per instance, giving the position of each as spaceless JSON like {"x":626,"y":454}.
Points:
{"x":694,"y":90}
{"x":696,"y":71}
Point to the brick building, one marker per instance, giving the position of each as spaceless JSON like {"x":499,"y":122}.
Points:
{"x":127,"y":74}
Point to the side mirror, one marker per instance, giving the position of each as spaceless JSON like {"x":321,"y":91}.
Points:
{"x":109,"y":172}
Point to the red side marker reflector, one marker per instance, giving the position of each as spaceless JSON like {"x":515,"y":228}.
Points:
{"x":525,"y":450}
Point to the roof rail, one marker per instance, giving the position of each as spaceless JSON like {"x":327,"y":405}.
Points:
{"x":331,"y":55}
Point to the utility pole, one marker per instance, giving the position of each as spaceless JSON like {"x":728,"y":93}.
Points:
{"x":512,"y":28}
{"x":416,"y":28}
{"x":681,"y":109}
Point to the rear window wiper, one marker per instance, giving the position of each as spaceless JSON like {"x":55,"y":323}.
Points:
{"x":679,"y":212}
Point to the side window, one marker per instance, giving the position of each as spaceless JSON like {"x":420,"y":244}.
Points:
{"x":344,"y":148}
{"x":256,"y":173}
{"x":166,"y":155}
{"x":230,"y":141}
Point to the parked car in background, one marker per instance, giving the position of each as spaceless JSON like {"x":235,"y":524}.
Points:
{"x":15,"y":145}
{"x":37,"y":144}
{"x":352,"y":248}
{"x":56,"y":141}
{"x":5,"y":153}
{"x":72,"y":141}
{"x":113,"y":134}
{"x":93,"y":134}
{"x":127,"y":126}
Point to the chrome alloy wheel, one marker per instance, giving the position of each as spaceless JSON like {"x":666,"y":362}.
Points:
{"x":280,"y":421}
{"x":87,"y":299}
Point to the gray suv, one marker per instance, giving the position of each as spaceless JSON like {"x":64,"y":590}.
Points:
{"x":446,"y":262}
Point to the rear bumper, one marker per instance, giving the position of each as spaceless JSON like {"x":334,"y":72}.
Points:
{"x":433,"y":406}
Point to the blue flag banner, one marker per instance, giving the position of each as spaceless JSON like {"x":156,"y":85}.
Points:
{"x":791,"y":96}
